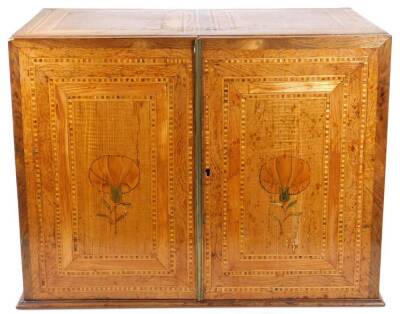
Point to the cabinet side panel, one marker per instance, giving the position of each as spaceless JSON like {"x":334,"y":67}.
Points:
{"x":20,"y":165}
{"x":383,"y":77}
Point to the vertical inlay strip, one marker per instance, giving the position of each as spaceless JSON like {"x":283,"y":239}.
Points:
{"x":198,"y":168}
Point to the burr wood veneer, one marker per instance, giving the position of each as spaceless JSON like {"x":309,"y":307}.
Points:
{"x":200,"y":158}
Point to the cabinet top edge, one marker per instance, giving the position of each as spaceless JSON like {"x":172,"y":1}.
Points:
{"x":132,"y":23}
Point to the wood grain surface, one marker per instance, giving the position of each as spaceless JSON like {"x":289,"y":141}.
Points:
{"x":294,"y":107}
{"x":290,"y":139}
{"x":78,"y":304}
{"x":105,"y":137}
{"x":130,"y":23}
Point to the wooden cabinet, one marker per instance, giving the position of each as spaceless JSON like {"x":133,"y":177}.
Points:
{"x":172,"y":158}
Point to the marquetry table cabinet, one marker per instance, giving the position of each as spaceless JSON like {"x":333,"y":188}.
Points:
{"x":200,"y":157}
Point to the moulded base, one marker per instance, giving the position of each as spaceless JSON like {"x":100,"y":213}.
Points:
{"x":59,"y":304}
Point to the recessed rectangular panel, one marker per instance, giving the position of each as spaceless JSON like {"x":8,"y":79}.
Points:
{"x":115,"y":140}
{"x":291,"y":128}
{"x":100,"y":131}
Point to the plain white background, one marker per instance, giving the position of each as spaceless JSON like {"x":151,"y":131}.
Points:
{"x":14,"y":13}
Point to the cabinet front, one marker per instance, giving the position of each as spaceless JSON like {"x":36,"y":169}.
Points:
{"x":289,"y":140}
{"x":108,"y":160}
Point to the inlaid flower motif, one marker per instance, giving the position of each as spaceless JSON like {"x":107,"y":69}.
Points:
{"x":113,"y":176}
{"x":285,"y":175}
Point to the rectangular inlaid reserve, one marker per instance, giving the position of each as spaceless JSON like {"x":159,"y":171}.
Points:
{"x":200,"y":157}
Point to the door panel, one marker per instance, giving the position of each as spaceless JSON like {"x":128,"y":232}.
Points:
{"x":289,"y":141}
{"x":109,"y":161}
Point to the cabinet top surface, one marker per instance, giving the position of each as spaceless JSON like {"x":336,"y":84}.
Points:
{"x":62,"y":23}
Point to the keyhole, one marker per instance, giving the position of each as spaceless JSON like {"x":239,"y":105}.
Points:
{"x":208,"y":172}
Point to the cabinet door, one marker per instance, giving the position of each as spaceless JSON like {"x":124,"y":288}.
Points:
{"x":107,"y":166}
{"x":295,"y":141}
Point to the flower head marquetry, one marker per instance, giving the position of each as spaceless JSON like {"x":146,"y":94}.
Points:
{"x":285,"y":175}
{"x":114,"y":176}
